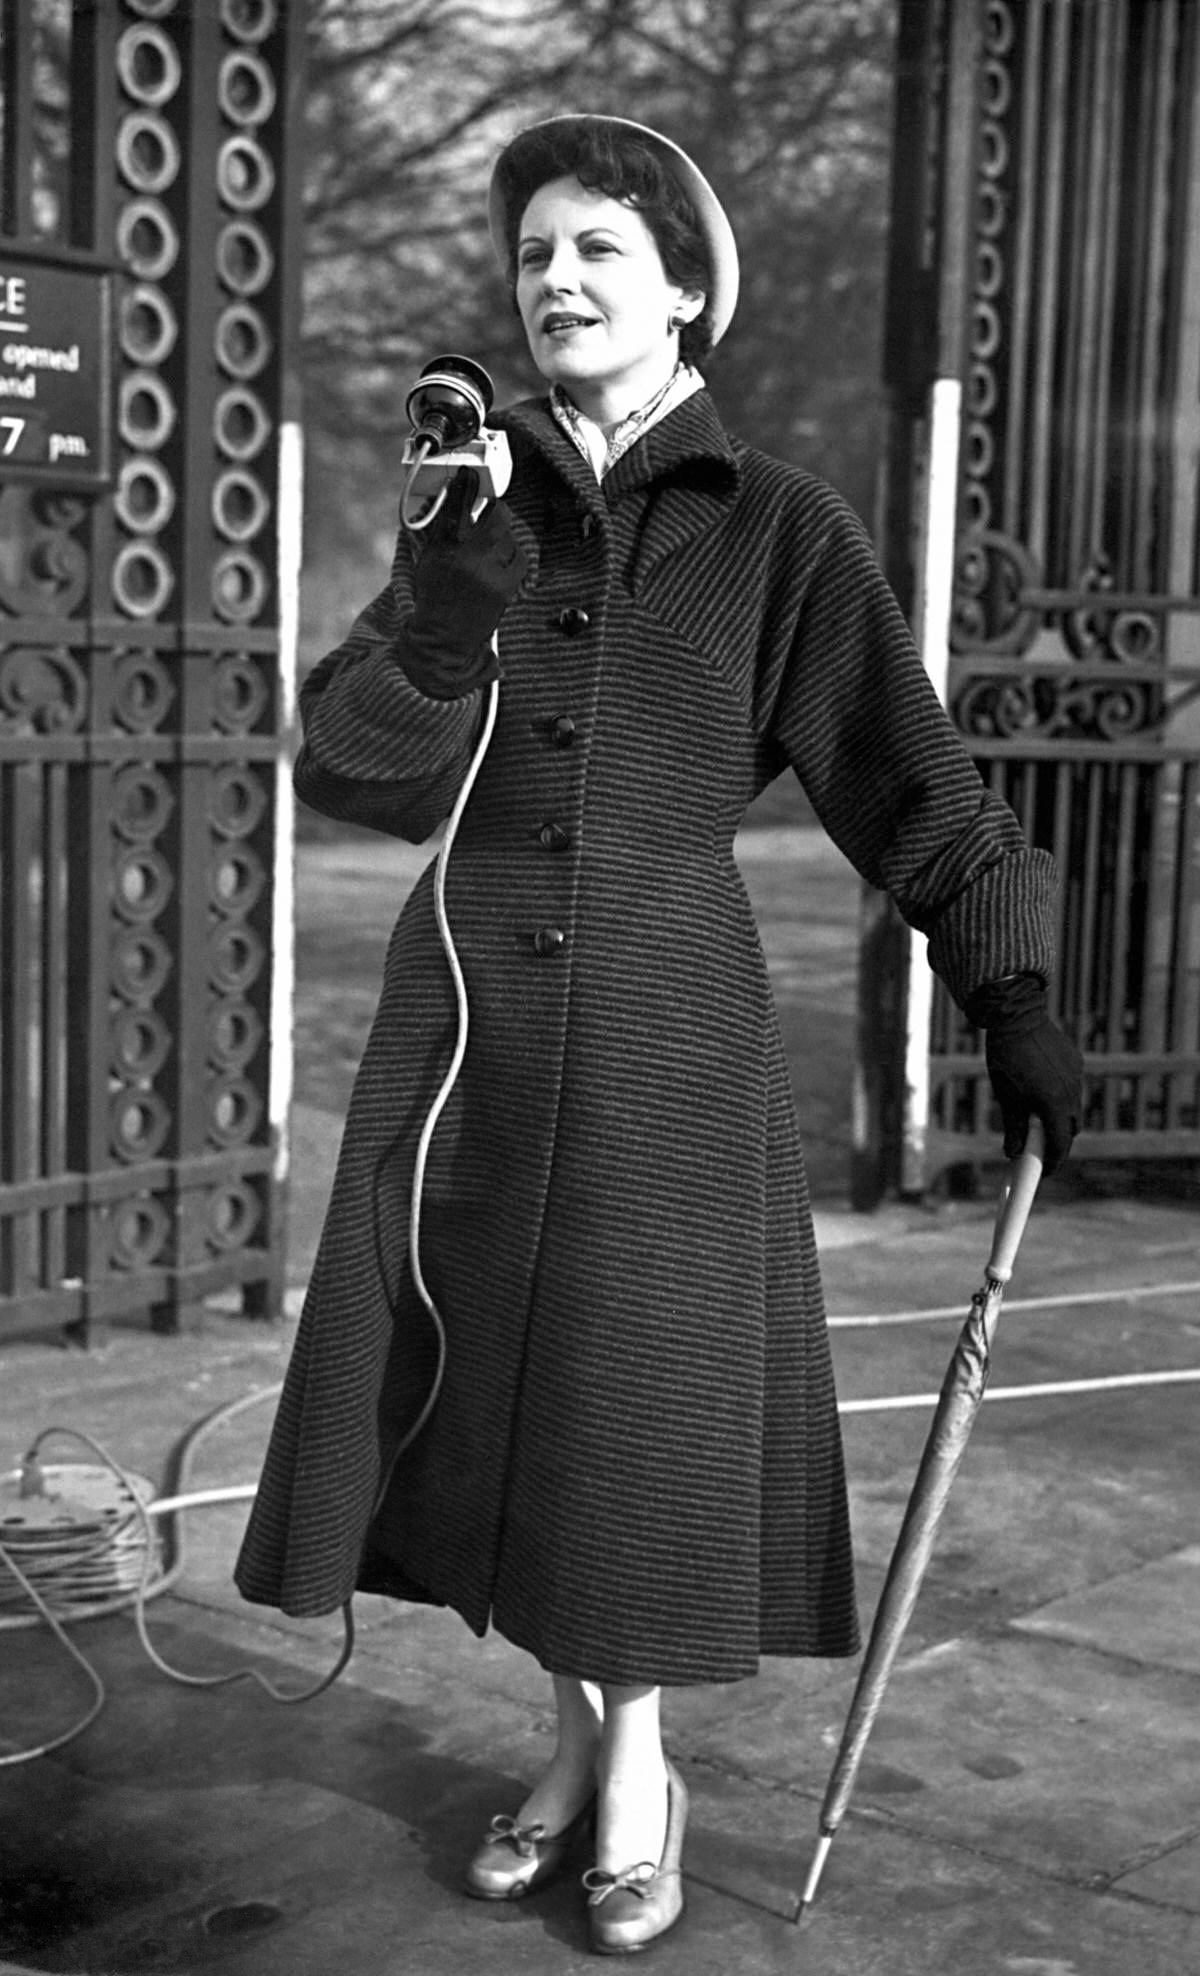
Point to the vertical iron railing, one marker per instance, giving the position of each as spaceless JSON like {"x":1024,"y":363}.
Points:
{"x":145,"y":159}
{"x":1072,"y":660}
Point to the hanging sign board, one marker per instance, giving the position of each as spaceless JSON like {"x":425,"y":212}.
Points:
{"x":55,"y":395}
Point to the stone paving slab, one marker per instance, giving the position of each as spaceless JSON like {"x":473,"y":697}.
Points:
{"x":1171,"y":1880}
{"x":1151,"y":1615}
{"x":1065,"y":1761}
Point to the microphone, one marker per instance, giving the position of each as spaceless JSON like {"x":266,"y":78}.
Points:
{"x":447,"y":408}
{"x":449,"y":402}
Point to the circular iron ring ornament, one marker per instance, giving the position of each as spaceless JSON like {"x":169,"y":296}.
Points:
{"x":245,"y":89}
{"x":240,"y":507}
{"x":236,"y":878}
{"x":42,"y":691}
{"x":979,"y":450}
{"x":236,"y":957}
{"x":142,"y":883}
{"x":976,"y":508}
{"x":998,"y":32}
{"x":249,"y":20}
{"x":141,"y":964}
{"x":148,"y":152}
{"x":232,"y":1215}
{"x":142,"y":579}
{"x":239,"y":586}
{"x":237,"y":800}
{"x":240,"y":693}
{"x":235,"y":1031}
{"x":142,"y":692}
{"x":141,"y":802}
{"x":141,"y":1043}
{"x":148,"y":64}
{"x":137,"y":1230}
{"x":241,"y":426}
{"x":138,"y":1123}
{"x":146,"y":411}
{"x":242,"y":341}
{"x":147,"y":239}
{"x":997,"y":89}
{"x":234,"y":1110}
{"x":145,"y":496}
{"x":981,"y":391}
{"x":991,"y":213}
{"x":245,"y":261}
{"x":245,"y":174}
{"x":148,"y":327}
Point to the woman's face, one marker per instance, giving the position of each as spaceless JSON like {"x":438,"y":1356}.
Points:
{"x":596,"y":300}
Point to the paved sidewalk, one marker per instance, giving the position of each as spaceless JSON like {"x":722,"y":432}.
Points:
{"x":1030,"y":1799}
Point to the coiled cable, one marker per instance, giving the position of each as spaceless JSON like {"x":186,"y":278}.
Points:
{"x":60,"y":1586}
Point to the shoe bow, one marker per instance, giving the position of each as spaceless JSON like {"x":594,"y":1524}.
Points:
{"x":637,"y":1880}
{"x":523,"y":1838}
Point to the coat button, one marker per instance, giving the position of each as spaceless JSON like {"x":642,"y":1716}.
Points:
{"x":552,"y":837}
{"x":587,"y":527}
{"x":548,"y":939}
{"x":562,"y":730}
{"x":572,"y":621}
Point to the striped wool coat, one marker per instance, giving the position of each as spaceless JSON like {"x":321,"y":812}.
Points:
{"x":633,"y":1468}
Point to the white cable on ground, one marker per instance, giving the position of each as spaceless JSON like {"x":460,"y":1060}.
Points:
{"x":1047,"y":1390}
{"x":1131,"y":1294}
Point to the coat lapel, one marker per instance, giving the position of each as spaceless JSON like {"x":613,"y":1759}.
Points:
{"x":687,"y":472}
{"x":684,"y":470}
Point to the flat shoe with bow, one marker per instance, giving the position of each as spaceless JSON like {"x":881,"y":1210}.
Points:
{"x":629,"y":1910}
{"x":515,"y":1860}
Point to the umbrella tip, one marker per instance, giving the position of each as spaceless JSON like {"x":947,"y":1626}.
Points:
{"x":814,"y":1874}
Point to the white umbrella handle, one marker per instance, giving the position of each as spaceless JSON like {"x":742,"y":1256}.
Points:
{"x":1015,"y":1202}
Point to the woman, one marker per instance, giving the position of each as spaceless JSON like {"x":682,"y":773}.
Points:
{"x":633,"y":1468}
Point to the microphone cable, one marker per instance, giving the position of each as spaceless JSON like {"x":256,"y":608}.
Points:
{"x":76,"y":1573}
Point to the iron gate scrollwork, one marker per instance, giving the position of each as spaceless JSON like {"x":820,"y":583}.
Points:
{"x":1058,"y":281}
{"x":145,"y":153}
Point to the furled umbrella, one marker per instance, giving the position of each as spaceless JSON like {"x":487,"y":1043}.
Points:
{"x":959,"y":1401}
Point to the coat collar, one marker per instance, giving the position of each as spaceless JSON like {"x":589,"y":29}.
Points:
{"x":689,"y":446}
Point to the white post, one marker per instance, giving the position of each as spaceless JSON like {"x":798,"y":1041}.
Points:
{"x":290,"y":517}
{"x":933,"y":604}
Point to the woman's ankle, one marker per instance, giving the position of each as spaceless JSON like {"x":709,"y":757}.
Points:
{"x":565,"y":1788}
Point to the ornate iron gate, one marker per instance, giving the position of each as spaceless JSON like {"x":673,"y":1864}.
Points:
{"x":1044,"y":373}
{"x":149,"y":500}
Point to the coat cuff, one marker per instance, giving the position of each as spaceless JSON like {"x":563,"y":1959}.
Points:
{"x":1003,"y":923}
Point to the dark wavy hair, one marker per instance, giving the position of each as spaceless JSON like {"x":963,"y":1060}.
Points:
{"x":622,"y":166}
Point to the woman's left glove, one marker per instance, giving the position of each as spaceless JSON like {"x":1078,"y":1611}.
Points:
{"x":1035,"y":1070}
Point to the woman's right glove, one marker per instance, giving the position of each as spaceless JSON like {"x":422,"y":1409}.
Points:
{"x":466,"y":576}
{"x":1035,"y":1070}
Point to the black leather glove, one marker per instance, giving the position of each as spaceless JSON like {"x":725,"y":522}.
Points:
{"x":1035,"y":1070}
{"x":466,"y":576}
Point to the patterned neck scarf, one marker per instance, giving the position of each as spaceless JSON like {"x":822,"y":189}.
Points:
{"x":603,"y":449}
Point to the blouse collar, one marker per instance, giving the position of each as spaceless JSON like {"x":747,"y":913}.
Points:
{"x":603,"y":449}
